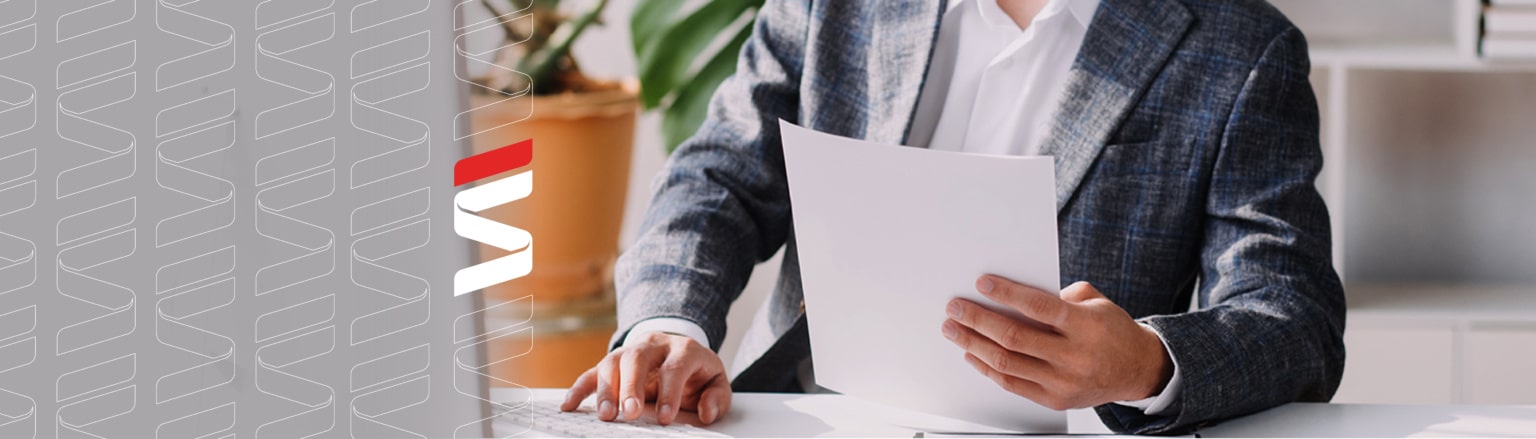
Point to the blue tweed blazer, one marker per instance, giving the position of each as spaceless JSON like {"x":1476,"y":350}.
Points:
{"x":1186,"y":151}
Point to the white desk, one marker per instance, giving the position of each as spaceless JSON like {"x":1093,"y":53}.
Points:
{"x":1381,"y":420}
{"x":803,"y":415}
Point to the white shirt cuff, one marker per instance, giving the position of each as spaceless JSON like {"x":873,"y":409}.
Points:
{"x":1160,"y":404}
{"x":672,"y":325}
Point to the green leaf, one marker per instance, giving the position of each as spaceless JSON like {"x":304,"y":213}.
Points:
{"x":541,"y":64}
{"x":688,"y":110}
{"x":649,"y":18}
{"x":664,"y":62}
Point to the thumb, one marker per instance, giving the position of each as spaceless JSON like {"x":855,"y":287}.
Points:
{"x":1079,"y":292}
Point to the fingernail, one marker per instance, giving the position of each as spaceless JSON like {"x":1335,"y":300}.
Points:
{"x":709,"y":413}
{"x":984,"y":285}
{"x":954,"y":310}
{"x":631,"y":406}
{"x":605,"y":409}
{"x":949,"y":330}
{"x":665,"y":409}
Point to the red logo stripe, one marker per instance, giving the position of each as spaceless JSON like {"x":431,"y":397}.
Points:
{"x":493,"y":162}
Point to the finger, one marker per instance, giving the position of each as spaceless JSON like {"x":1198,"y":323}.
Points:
{"x":607,"y":392}
{"x":715,"y":400}
{"x":674,"y":374}
{"x":1006,"y":331}
{"x":1015,"y":385}
{"x":997,"y":357}
{"x":633,"y":373}
{"x":1032,"y":302}
{"x":584,"y":386}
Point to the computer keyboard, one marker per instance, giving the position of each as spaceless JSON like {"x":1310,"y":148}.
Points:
{"x":544,"y":418}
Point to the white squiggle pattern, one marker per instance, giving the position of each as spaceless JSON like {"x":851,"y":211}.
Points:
{"x":18,"y":99}
{"x":211,"y":132}
{"x":517,"y":102}
{"x":317,"y":247}
{"x":290,"y":336}
{"x":406,"y":137}
{"x":392,"y":376}
{"x":316,"y":86}
{"x":505,"y":323}
{"x":103,"y":15}
{"x":78,"y":105}
{"x":97,"y":385}
{"x":274,"y":12}
{"x":316,"y":400}
{"x":377,"y":392}
{"x":197,"y":292}
{"x":217,"y":38}
{"x":18,"y":192}
{"x":196,"y":299}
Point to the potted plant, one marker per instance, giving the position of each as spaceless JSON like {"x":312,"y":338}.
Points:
{"x":583,"y":134}
{"x":683,"y":55}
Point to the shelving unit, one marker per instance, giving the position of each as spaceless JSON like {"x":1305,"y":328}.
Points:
{"x":1430,"y":177}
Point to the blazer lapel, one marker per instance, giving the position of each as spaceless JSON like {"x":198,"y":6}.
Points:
{"x":1127,"y":43}
{"x":903,"y":39}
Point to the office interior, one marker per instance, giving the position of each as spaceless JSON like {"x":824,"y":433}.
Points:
{"x":1429,"y":152}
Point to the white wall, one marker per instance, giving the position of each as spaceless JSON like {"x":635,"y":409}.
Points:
{"x":604,"y":52}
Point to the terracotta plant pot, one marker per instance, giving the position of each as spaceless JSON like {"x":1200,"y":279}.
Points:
{"x":582,"y":144}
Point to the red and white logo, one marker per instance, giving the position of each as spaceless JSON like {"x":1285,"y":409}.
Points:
{"x":471,"y":201}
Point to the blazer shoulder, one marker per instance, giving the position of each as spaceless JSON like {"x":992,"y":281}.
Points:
{"x":1241,"y":29}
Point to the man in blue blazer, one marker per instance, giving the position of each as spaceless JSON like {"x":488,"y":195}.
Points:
{"x":1185,"y":135}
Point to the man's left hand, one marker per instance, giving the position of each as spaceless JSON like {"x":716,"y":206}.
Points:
{"x":1088,"y":351}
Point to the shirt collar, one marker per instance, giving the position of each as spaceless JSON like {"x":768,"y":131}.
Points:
{"x":1082,"y":10}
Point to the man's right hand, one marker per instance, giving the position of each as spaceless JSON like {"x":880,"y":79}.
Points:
{"x":672,"y":370}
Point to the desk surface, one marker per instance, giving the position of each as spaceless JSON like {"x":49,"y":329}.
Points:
{"x":805,"y":415}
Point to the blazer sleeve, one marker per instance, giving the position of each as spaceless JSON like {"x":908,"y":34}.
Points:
{"x":721,"y":204}
{"x":1269,"y":328}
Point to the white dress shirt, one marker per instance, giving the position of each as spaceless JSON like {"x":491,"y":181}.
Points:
{"x":992,"y":88}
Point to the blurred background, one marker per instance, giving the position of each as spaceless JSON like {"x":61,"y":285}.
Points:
{"x":1427,"y":110}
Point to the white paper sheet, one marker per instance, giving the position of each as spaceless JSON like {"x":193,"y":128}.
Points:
{"x":887,"y":235}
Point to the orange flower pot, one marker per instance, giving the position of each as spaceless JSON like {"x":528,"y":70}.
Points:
{"x":582,"y":144}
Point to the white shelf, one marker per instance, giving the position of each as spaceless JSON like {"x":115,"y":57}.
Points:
{"x":1428,"y":149}
{"x":1446,"y":303}
{"x":1423,"y":57}
{"x":1428,"y":35}
{"x":1440,"y":344}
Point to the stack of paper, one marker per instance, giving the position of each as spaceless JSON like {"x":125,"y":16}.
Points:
{"x":887,"y":235}
{"x":1509,"y":29}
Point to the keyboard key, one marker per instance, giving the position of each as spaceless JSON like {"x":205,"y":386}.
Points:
{"x":545,"y":418}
